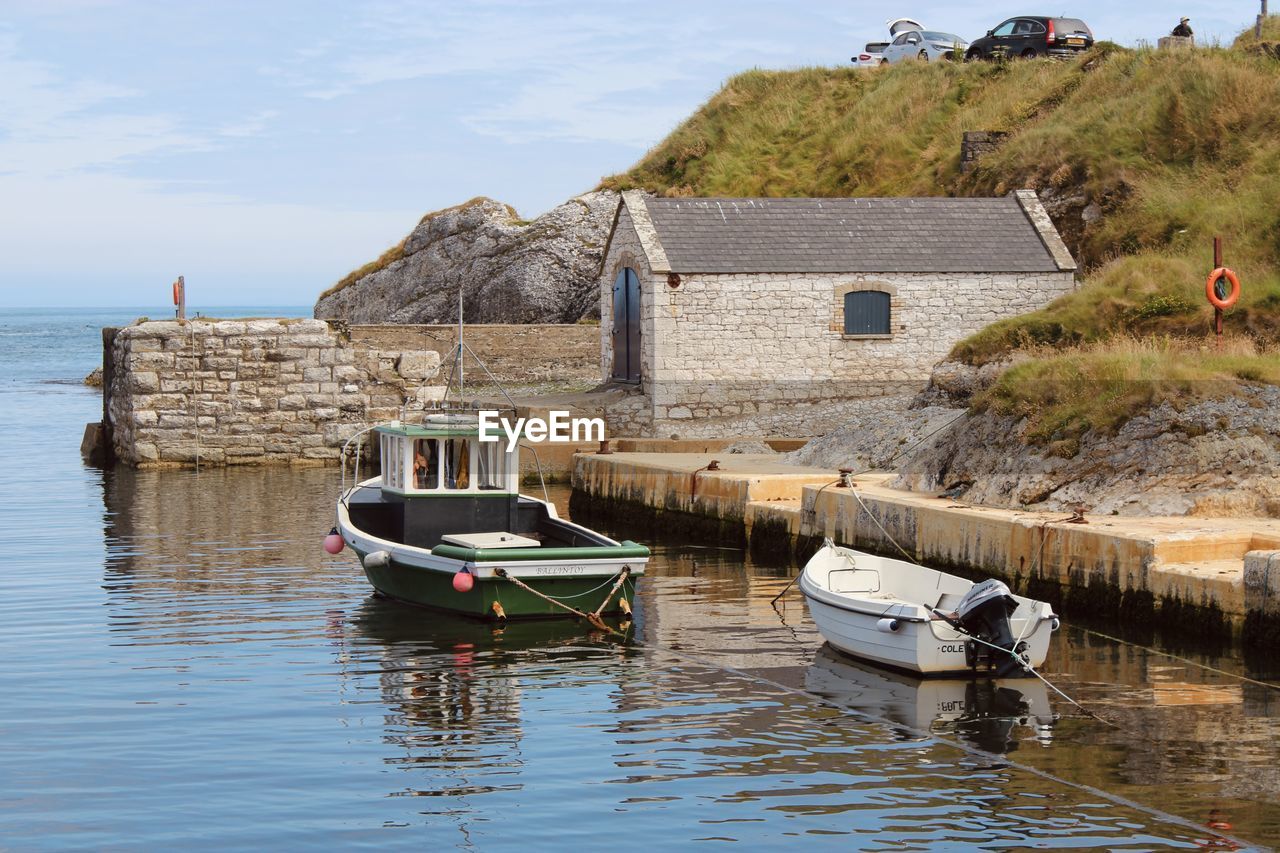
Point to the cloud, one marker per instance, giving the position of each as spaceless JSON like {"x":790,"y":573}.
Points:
{"x":250,"y":126}
{"x":559,"y":73}
{"x":50,"y":125}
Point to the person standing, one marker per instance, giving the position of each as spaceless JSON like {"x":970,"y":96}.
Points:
{"x":1183,"y":29}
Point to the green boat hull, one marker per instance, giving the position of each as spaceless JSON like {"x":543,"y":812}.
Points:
{"x":434,"y":589}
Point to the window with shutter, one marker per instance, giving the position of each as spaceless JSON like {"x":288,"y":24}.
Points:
{"x":866,"y":312}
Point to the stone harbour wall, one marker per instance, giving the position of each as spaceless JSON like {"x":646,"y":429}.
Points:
{"x":516,"y":353}
{"x":251,"y":391}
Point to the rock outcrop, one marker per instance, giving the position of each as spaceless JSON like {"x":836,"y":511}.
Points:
{"x":508,"y":271}
{"x":879,"y":433}
{"x":1208,"y":457}
{"x":1213,"y":457}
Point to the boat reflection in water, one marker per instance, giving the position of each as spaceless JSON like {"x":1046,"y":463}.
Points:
{"x":992,"y":714}
{"x":454,"y":689}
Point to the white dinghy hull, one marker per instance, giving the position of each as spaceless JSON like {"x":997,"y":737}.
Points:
{"x":878,"y":609}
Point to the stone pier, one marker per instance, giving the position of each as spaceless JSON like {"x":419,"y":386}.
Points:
{"x":291,"y":391}
{"x":250,"y":391}
{"x":1204,"y":573}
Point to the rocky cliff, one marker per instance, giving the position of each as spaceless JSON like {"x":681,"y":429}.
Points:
{"x":508,"y":271}
{"x":1215,"y":457}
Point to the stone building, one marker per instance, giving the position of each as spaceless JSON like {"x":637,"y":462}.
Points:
{"x":763,"y":316}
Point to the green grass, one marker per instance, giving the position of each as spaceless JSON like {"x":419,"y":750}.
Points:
{"x":1065,"y":394}
{"x":386,"y":259}
{"x":1270,"y":33}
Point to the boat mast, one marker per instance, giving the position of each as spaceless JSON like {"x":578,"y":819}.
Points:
{"x":461,"y":367}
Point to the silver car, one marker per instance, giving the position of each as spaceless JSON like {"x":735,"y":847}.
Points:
{"x":869,"y":56}
{"x":926,"y":45}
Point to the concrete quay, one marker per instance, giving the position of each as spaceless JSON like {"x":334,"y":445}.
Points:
{"x":1208,"y":574}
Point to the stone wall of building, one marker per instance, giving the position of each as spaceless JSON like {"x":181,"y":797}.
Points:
{"x":766,"y":353}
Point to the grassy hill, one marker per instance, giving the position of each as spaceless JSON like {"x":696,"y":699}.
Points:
{"x":1160,"y":149}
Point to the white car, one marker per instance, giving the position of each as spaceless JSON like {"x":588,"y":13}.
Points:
{"x":870,"y":55}
{"x":925,"y":45}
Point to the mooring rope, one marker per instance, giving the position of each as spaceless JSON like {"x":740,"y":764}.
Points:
{"x":622,"y":577}
{"x":1023,"y":662}
{"x":1181,"y":659}
{"x":593,"y":618}
{"x":960,"y":745}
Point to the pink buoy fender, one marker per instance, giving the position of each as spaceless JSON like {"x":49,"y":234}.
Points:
{"x":333,"y":543}
{"x":463,"y":581}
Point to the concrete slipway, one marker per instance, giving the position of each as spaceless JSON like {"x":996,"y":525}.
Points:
{"x":1206,"y":573}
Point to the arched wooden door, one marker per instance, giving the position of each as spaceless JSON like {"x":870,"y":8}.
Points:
{"x":626,"y":326}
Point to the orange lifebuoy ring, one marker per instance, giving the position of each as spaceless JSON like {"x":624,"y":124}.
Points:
{"x":176,"y":300}
{"x":1211,"y":288}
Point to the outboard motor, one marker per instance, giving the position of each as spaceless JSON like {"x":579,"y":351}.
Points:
{"x":984,"y":612}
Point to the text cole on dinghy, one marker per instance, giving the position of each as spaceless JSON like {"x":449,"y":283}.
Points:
{"x":445,"y":526}
{"x":903,"y":615}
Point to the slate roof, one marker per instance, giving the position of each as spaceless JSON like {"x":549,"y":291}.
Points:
{"x":742,"y":235}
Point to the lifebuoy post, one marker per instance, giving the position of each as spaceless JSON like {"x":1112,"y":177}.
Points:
{"x":1217,"y":312}
{"x":1222,"y":288}
{"x":180,"y":298}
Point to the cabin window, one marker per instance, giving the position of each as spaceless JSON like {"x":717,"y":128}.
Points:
{"x":457,"y":463}
{"x":866,"y":312}
{"x":492,"y":463}
{"x":392,"y":463}
{"x":426,"y":464}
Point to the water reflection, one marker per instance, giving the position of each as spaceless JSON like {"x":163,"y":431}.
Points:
{"x":579,"y":730}
{"x":983,"y":712}
{"x":220,"y":579}
{"x":452,"y":688}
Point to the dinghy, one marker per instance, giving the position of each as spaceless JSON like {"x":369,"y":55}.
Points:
{"x":902,"y":615}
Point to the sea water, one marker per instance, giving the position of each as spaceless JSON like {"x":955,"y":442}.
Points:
{"x":182,"y":665}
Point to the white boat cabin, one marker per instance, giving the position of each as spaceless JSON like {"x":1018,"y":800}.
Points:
{"x":445,"y":456}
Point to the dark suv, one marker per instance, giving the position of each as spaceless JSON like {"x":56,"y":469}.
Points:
{"x":1030,"y":36}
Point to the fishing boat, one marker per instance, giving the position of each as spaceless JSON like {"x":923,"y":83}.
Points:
{"x":903,"y":615}
{"x":444,"y":525}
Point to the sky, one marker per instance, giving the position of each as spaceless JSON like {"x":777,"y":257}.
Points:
{"x":263,"y":150}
